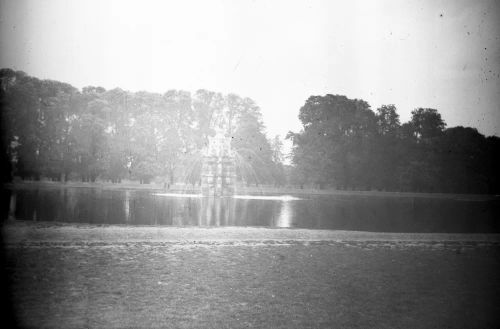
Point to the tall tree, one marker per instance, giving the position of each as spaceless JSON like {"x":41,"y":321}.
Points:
{"x":334,"y":146}
{"x":387,"y":146}
{"x":278,"y":158}
{"x":253,"y":151}
{"x":388,"y":123}
{"x":426,"y":123}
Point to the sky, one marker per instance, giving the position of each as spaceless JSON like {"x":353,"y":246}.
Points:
{"x":437,"y":54}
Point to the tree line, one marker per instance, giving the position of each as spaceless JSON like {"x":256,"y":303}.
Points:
{"x":346,"y":145}
{"x":53,"y":130}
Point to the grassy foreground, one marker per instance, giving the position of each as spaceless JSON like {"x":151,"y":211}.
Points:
{"x":81,"y":276}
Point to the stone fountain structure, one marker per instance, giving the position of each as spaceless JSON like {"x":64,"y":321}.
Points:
{"x":218,"y":174}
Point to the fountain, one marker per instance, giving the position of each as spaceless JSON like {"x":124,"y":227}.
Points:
{"x":218,"y":174}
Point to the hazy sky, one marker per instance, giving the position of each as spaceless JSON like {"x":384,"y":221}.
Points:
{"x":439,"y":54}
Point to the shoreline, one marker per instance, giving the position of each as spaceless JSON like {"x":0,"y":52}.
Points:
{"x":177,"y":188}
{"x":26,"y":232}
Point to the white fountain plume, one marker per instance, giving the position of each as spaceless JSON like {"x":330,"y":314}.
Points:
{"x":218,"y":163}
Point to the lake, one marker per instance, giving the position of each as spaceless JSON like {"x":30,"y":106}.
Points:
{"x":358,"y":212}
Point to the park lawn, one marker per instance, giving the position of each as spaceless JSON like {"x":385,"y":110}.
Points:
{"x":221,"y":284}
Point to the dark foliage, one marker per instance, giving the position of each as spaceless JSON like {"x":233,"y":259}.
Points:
{"x":53,"y":130}
{"x":345,"y":145}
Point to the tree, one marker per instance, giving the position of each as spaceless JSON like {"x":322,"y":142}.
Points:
{"x":463,"y":161}
{"x":7,"y":148}
{"x":21,"y":111}
{"x":334,"y":146}
{"x":57,"y":106}
{"x":426,"y":123}
{"x":421,"y":171}
{"x":253,"y":151}
{"x":493,"y":163}
{"x":90,"y":139}
{"x":118,"y":122}
{"x":52,"y":130}
{"x":206,"y":105}
{"x":387,"y":120}
{"x":177,"y":135}
{"x":278,"y":157}
{"x":387,"y":147}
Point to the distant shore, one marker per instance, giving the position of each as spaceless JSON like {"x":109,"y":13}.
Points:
{"x":240,"y":189}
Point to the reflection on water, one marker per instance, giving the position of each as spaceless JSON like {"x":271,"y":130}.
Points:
{"x":12,"y":205}
{"x":285,"y":215}
{"x":179,"y":195}
{"x":267,"y":197}
{"x":126,"y":207}
{"x":342,"y":212}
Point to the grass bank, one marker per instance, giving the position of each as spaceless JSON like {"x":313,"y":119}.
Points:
{"x":74,"y":276}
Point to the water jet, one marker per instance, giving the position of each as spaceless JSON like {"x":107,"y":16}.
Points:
{"x":218,"y":172}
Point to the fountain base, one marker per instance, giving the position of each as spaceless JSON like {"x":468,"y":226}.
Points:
{"x":218,"y":176}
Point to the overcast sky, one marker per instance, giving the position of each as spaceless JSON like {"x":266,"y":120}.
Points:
{"x":439,"y":54}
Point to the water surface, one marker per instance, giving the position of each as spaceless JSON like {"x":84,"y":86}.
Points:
{"x":377,"y":213}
